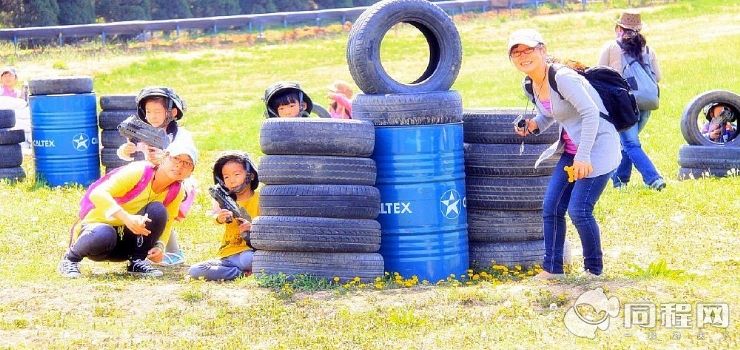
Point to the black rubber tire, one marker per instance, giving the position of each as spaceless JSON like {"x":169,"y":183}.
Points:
{"x":317,"y":170}
{"x":320,"y":111}
{"x":110,"y":160}
{"x":307,"y":234}
{"x":709,"y":157}
{"x":7,"y":118}
{"x":12,"y":174}
{"x":109,"y":120}
{"x":525,"y":254}
{"x":697,"y":173}
{"x":328,"y":201}
{"x":60,"y":85}
{"x":501,"y":193}
{"x":346,"y":266}
{"x":111,"y":139}
{"x":118,"y":102}
{"x":690,"y":127}
{"x":11,"y":156}
{"x":494,"y":125}
{"x":439,"y":107}
{"x":12,"y":136}
{"x":366,"y":36}
{"x":504,"y":160}
{"x":317,"y":136}
{"x":504,"y":225}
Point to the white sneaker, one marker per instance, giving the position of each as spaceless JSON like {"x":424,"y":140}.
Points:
{"x":68,"y":268}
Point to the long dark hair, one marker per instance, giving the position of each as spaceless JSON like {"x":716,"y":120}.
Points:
{"x":633,"y":46}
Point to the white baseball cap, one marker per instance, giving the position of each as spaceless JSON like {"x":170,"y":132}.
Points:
{"x":529,"y":37}
{"x":177,"y":148}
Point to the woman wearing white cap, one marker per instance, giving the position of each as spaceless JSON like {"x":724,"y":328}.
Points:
{"x":632,"y":44}
{"x":128,"y":214}
{"x":589,"y":143}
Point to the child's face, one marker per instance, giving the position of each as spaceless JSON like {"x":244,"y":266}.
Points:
{"x":156,"y":113}
{"x":290,"y":110}
{"x":8,"y":79}
{"x":234,"y":174}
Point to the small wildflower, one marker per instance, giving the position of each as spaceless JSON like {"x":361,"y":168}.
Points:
{"x":336,"y":279}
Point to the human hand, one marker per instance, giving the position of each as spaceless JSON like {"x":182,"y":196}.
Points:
{"x":154,"y":154}
{"x":714,"y":134}
{"x":244,"y":225}
{"x":581,"y":169}
{"x":224,"y":216}
{"x":155,"y":254}
{"x":128,"y":148}
{"x":137,"y":224}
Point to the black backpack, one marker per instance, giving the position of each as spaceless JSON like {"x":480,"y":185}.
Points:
{"x":612,"y":88}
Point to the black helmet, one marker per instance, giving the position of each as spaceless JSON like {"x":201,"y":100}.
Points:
{"x":236,"y":156}
{"x":169,"y":94}
{"x":283,"y":86}
{"x":726,"y":113}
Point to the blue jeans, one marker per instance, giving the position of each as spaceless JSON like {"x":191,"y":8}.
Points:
{"x":632,"y":153}
{"x":226,"y":269}
{"x":578,"y":199}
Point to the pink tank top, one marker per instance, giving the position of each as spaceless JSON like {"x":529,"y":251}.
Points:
{"x":570,"y":146}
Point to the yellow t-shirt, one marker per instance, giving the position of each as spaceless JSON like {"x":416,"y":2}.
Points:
{"x":232,"y":242}
{"x":118,"y":185}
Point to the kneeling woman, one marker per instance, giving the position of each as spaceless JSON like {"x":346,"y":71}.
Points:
{"x":128,"y":215}
{"x":590,"y":144}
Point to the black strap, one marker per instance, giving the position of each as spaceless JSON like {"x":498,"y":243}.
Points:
{"x":550,"y":78}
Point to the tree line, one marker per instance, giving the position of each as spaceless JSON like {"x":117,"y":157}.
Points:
{"x":41,"y":13}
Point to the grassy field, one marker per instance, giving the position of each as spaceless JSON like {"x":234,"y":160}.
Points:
{"x":676,"y":246}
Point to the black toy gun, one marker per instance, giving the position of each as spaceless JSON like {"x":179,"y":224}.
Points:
{"x":137,"y":131}
{"x":221,"y":196}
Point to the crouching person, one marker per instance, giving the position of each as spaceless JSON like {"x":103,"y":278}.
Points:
{"x":127,"y":215}
{"x":235,"y":173}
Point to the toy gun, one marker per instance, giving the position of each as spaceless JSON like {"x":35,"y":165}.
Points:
{"x":721,"y":122}
{"x":226,"y":202}
{"x":137,"y":131}
{"x":571,"y":173}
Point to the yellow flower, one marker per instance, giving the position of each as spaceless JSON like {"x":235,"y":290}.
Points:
{"x":356,"y":279}
{"x":336,"y":279}
{"x":476,"y":277}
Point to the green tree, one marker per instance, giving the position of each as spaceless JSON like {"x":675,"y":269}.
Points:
{"x":257,"y":6}
{"x":76,"y":11}
{"x":170,"y":9}
{"x":37,"y":13}
{"x":210,"y":8}
{"x":123,"y":10}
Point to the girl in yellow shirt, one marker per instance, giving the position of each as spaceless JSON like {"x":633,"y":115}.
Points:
{"x":235,"y":172}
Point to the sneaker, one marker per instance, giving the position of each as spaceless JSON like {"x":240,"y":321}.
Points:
{"x":68,"y":268}
{"x":658,"y":184}
{"x":171,"y":259}
{"x":588,"y":276}
{"x":143,"y":268}
{"x":544,"y":276}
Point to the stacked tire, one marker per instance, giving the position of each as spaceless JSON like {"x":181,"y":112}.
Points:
{"x":702,"y":155}
{"x":505,"y":190}
{"x":11,"y":156}
{"x":318,"y":206}
{"x":418,"y":141}
{"x":114,"y":109}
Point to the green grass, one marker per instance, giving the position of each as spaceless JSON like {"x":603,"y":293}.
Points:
{"x":679,"y":245}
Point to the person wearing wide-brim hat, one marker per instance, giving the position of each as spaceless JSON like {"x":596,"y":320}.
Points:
{"x":631,"y":42}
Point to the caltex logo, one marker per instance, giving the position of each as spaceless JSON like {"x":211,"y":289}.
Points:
{"x":450,"y":204}
{"x":81,"y":142}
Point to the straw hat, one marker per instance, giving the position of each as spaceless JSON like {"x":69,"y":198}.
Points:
{"x":630,"y":20}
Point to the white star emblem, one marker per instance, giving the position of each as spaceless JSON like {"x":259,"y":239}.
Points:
{"x":451,"y":204}
{"x":80,"y":142}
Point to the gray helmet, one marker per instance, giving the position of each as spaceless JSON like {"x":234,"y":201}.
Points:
{"x":155,"y":91}
{"x":283,"y":86}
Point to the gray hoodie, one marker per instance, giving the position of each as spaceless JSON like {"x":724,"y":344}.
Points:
{"x":578,"y":113}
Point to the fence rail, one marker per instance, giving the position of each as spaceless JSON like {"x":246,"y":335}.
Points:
{"x":250,"y":22}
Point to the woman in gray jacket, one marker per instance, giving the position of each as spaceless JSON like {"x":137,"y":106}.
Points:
{"x":590,"y":146}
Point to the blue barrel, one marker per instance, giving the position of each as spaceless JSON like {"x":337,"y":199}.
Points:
{"x":64,"y":130}
{"x":423,"y":217}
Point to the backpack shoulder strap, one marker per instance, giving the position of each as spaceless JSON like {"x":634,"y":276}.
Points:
{"x":551,"y":78}
{"x":145,"y":179}
{"x":172,"y":193}
{"x":528,"y":88}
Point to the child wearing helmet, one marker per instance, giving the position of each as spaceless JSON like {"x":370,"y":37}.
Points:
{"x":286,"y":99}
{"x":719,"y":126}
{"x":161,"y":107}
{"x":235,"y":173}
